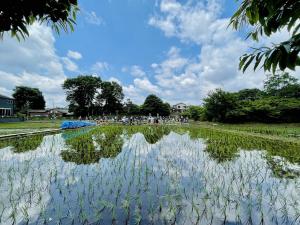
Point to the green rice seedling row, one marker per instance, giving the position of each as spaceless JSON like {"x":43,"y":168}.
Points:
{"x":149,"y":175}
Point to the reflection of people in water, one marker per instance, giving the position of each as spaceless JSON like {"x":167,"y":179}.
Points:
{"x":131,"y":120}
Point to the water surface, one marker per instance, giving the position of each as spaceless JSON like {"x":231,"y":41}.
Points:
{"x":141,"y":179}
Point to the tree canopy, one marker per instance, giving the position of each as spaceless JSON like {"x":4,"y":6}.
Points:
{"x":28,"y":98}
{"x":194,"y":112}
{"x":111,"y":97}
{"x":218,"y":104}
{"x":154,"y":105}
{"x":278,"y":102}
{"x":131,"y":109}
{"x":267,"y":17}
{"x":278,"y":81}
{"x":16,"y":15}
{"x":249,"y":94}
{"x":81,"y":93}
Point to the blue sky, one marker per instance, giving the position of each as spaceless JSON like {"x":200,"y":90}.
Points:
{"x":178,"y":50}
{"x":123,"y":36}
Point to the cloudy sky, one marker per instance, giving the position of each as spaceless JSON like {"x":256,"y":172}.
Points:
{"x":178,"y":50}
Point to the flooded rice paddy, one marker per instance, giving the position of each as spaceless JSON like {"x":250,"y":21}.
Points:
{"x":149,"y":175}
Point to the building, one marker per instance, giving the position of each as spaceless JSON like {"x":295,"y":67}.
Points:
{"x":57,"y":112}
{"x":179,"y":107}
{"x":6,"y":106}
{"x":38,"y":113}
{"x":60,"y":112}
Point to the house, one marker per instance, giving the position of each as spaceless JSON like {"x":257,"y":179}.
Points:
{"x":38,"y":113}
{"x":60,"y":112}
{"x":6,"y":106}
{"x":179,"y":107}
{"x":57,"y":112}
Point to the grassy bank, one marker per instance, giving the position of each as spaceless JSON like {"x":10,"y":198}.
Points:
{"x":288,"y":131}
{"x":28,"y":126}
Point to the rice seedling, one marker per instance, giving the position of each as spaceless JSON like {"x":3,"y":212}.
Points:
{"x":20,"y":145}
{"x":149,"y":175}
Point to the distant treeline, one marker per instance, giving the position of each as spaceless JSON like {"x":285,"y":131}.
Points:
{"x":90,"y":96}
{"x":279,"y":101}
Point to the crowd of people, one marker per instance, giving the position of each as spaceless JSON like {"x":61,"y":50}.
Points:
{"x":137,"y":120}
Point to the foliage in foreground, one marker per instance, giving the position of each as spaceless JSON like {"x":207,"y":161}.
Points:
{"x":265,"y":18}
{"x":16,"y":15}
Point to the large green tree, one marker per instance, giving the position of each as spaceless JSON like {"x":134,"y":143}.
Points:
{"x":154,"y":105}
{"x":194,"y":112}
{"x":111,"y":97}
{"x":28,"y":98}
{"x":265,"y":18}
{"x":131,"y":109}
{"x":278,"y":81}
{"x":252,"y":105}
{"x":249,"y":94}
{"x":219,"y":104}
{"x":16,"y":15}
{"x":81,"y":93}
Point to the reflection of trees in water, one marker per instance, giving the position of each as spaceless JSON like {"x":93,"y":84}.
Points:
{"x":105,"y":142}
{"x":110,"y":143}
{"x":89,"y":148}
{"x":220,"y":150}
{"x":176,"y":183}
{"x":152,"y":134}
{"x":223,"y":146}
{"x":282,"y":168}
{"x":25,"y":144}
{"x":81,"y":151}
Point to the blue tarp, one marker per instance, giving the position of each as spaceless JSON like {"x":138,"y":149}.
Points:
{"x":76,"y":124}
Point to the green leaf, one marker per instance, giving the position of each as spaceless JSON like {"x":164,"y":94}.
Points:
{"x":291,"y":61}
{"x":248,"y":63}
{"x":283,"y":58}
{"x":258,"y":60}
{"x":243,"y":60}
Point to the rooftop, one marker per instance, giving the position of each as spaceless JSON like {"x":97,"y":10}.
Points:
{"x":37,"y":110}
{"x":3,"y":96}
{"x":180,"y":103}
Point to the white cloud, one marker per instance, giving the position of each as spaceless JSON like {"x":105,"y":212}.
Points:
{"x":69,"y":64}
{"x":114,"y":79}
{"x":194,"y":21}
{"x":135,"y":71}
{"x":34,"y":63}
{"x":93,"y":18}
{"x":74,"y":55}
{"x":145,"y":85}
{"x":100,"y":66}
{"x":190,"y":79}
{"x":134,"y":94}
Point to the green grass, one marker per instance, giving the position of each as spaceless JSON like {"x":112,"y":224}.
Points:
{"x":276,"y":130}
{"x":28,"y":126}
{"x":221,"y":144}
{"x":31,"y":125}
